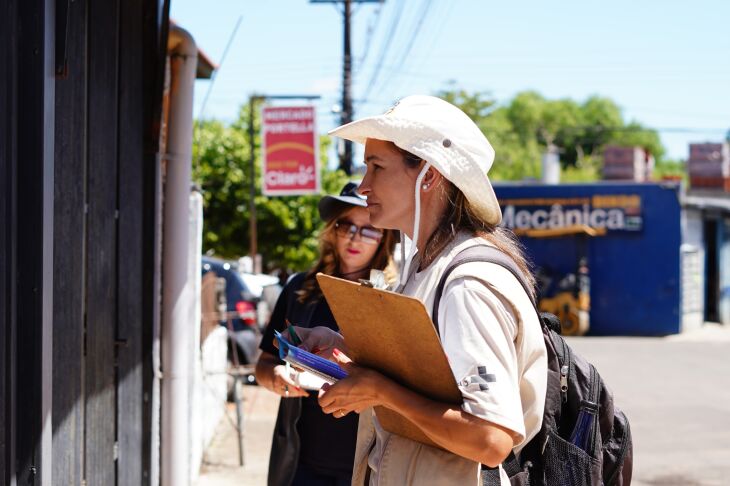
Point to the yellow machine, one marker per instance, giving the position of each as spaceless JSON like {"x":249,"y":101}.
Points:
{"x":572,"y":308}
{"x":572,"y":302}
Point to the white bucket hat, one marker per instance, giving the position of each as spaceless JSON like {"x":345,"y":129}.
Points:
{"x":444,"y":136}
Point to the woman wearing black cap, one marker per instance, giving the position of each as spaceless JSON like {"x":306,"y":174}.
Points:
{"x":310,"y":447}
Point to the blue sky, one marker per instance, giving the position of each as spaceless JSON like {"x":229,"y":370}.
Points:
{"x":666,"y":63}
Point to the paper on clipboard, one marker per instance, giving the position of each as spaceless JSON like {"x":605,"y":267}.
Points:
{"x":392,"y":333}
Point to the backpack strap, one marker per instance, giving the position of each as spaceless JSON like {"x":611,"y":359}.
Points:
{"x":487,"y":254}
{"x":478,"y":253}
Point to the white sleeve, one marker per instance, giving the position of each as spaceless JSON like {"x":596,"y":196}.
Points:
{"x":478,"y":329}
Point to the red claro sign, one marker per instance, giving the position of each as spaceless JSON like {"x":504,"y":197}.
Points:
{"x":291,"y":151}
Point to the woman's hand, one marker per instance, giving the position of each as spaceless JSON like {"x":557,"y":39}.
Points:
{"x":276,"y":378}
{"x":362,"y":388}
{"x":284,"y":384}
{"x":320,"y":340}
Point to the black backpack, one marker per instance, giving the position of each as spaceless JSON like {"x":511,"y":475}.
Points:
{"x":584,"y":439}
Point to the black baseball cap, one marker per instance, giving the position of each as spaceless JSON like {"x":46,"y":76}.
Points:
{"x":330,"y":206}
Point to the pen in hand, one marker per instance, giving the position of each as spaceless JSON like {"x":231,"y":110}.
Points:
{"x":296,"y":341}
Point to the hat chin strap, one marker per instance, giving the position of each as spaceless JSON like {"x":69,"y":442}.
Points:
{"x":416,"y":227}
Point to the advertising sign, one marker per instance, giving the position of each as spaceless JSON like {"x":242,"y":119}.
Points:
{"x":612,"y":212}
{"x":290,"y":151}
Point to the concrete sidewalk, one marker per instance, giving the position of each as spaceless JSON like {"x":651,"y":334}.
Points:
{"x":675,"y":391}
{"x":220,"y":461}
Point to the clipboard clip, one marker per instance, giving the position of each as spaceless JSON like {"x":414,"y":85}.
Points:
{"x":376,"y":280}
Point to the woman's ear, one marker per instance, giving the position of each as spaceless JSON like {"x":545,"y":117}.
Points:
{"x":430,"y":179}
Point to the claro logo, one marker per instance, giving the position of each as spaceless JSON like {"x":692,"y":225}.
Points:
{"x":558,"y":217}
{"x":304,"y":176}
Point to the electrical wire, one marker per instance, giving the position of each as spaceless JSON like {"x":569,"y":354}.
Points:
{"x":220,"y":65}
{"x":385,"y":46}
{"x":372,"y":27}
{"x":403,"y":58}
{"x":214,"y":76}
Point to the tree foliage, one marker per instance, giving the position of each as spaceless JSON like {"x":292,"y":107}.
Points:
{"x":520,"y":131}
{"x":287,"y":227}
{"x":523,"y":129}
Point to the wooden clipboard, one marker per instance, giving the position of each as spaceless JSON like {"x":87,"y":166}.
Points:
{"x":393,"y":334}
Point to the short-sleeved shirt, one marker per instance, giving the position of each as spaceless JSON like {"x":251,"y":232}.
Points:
{"x":493,"y":340}
{"x":327,"y":444}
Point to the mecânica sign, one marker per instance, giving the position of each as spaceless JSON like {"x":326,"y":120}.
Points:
{"x":612,"y":212}
{"x":290,"y":151}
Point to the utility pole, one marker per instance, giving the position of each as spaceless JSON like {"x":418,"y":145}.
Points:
{"x":252,"y":227}
{"x":252,"y":223}
{"x":347,"y":113}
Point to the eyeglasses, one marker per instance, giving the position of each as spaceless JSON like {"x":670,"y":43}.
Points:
{"x":368,"y":234}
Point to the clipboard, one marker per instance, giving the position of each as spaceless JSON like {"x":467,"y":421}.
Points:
{"x":393,"y":334}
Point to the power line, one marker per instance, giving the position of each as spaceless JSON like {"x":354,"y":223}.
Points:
{"x":372,"y":27}
{"x":198,"y":119}
{"x":443,"y":20}
{"x":384,"y":49}
{"x":400,"y":63}
{"x":347,"y":111}
{"x":220,"y":65}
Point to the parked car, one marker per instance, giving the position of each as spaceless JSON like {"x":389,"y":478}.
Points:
{"x":241,"y":316}
{"x":266,"y":290}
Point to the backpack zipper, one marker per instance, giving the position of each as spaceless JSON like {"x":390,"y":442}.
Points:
{"x":564,"y":383}
{"x":564,"y":370}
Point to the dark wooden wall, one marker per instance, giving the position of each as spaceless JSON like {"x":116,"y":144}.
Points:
{"x":94,"y":133}
{"x":8,"y":163}
{"x":69,"y":254}
{"x":105,"y":182}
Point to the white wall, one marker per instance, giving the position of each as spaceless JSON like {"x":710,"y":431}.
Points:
{"x":207,"y":387}
{"x":209,"y":395}
{"x":692,"y":270}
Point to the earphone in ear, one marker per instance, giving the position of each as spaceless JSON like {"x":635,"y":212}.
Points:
{"x":424,"y":187}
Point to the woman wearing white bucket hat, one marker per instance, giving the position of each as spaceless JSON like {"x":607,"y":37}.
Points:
{"x":427,"y":166}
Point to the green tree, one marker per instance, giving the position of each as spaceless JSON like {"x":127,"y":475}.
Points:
{"x":287,"y":227}
{"x":667,"y":168}
{"x":523,"y":129}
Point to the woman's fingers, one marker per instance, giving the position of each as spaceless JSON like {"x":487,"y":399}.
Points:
{"x":340,"y":356}
{"x":319,"y":338}
{"x":341,"y":408}
{"x":285,"y":385}
{"x":360,"y":390}
{"x":290,"y":390}
{"x":297,"y":392}
{"x":340,"y":396}
{"x":311,"y":337}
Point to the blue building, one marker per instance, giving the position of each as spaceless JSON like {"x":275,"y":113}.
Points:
{"x":658,"y":259}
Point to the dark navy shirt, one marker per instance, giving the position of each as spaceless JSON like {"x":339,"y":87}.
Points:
{"x":327,"y":444}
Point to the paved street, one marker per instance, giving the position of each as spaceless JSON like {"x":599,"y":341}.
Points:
{"x":676,"y":393}
{"x":675,"y":390}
